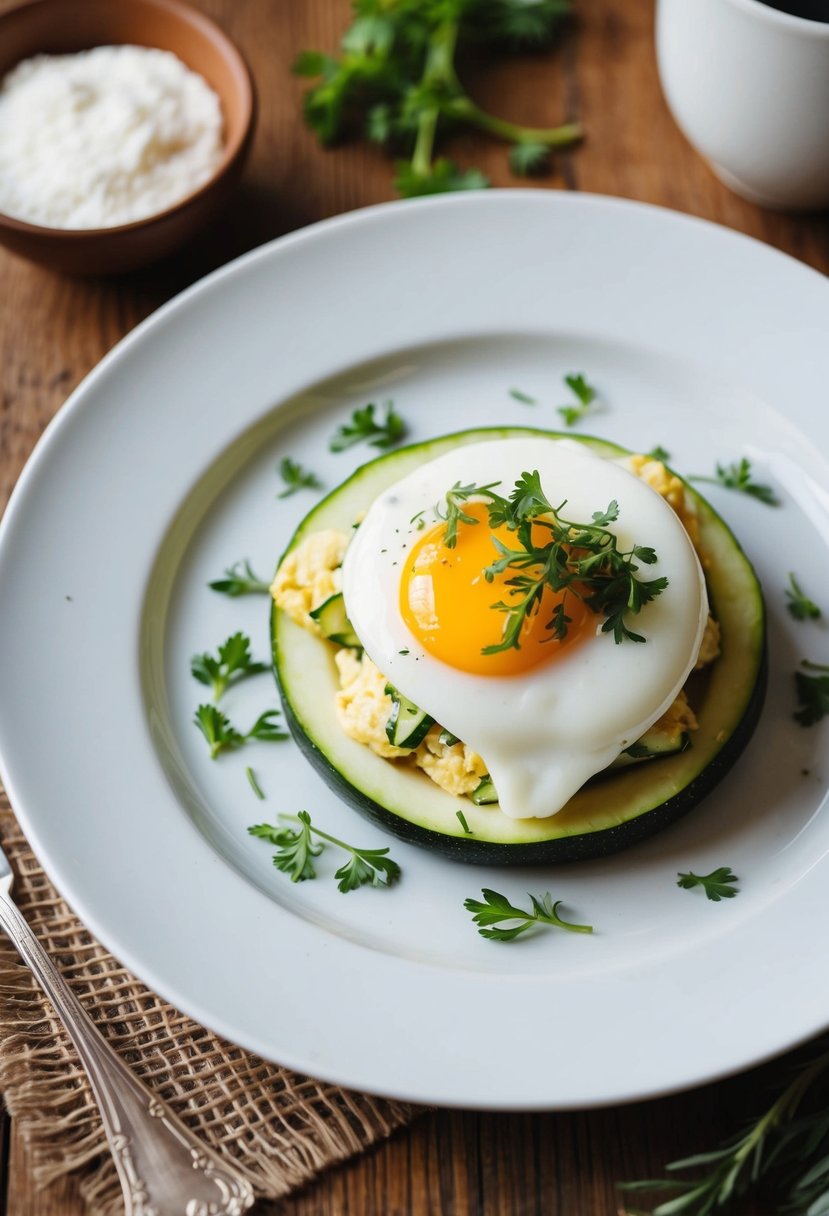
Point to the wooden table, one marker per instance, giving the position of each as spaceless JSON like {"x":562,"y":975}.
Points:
{"x":53,"y":330}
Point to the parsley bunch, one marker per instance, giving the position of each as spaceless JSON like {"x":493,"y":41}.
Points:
{"x":395,"y":82}
{"x":296,"y":850}
{"x":579,"y":559}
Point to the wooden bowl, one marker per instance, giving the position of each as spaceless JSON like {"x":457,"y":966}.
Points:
{"x":66,"y":26}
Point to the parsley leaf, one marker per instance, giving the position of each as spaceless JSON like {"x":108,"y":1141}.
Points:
{"x":453,"y":513}
{"x":812,"y":694}
{"x":659,"y":453}
{"x":586,"y":395}
{"x":217,"y":729}
{"x":528,"y":158}
{"x":364,"y":867}
{"x":738,"y":477}
{"x":442,"y":177}
{"x":296,"y":478}
{"x":239,"y":579}
{"x":364,"y":427}
{"x":719,"y":884}
{"x":222,"y":735}
{"x":799,"y":605}
{"x":295,"y":848}
{"x":497,"y":909}
{"x":233,"y":664}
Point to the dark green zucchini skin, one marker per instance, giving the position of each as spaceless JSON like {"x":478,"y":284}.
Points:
{"x":584,"y":847}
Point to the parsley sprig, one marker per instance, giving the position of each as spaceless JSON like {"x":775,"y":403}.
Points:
{"x":296,"y":478}
{"x":799,"y":605}
{"x":231,"y":664}
{"x":784,"y":1144}
{"x":497,"y":910}
{"x":222,"y":735}
{"x":364,"y":427}
{"x":812,"y":693}
{"x":296,"y":850}
{"x":585,"y":394}
{"x":659,"y":453}
{"x":451,"y":509}
{"x":395,"y":82}
{"x":579,"y":559}
{"x":239,"y":579}
{"x":739,"y":477}
{"x":719,"y":884}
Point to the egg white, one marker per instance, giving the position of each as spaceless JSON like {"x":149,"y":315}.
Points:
{"x":545,"y":732}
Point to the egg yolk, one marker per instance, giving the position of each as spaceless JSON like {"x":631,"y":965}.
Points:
{"x":447,"y":603}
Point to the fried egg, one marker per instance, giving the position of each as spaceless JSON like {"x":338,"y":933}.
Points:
{"x":547,"y":715}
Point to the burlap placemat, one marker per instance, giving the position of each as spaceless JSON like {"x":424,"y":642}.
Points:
{"x":281,"y":1128}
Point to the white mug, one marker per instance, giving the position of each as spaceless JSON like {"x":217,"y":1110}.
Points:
{"x":749,"y":87}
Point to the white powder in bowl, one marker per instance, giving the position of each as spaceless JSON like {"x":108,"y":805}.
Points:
{"x":104,"y":137}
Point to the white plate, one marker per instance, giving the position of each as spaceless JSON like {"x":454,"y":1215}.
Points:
{"x":161,"y":471}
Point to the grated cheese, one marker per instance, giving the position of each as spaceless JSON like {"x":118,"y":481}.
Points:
{"x":104,"y":137}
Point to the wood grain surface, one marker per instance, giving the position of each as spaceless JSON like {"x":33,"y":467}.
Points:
{"x":53,"y":330}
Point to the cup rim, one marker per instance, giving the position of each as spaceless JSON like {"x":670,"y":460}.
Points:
{"x":801,"y":25}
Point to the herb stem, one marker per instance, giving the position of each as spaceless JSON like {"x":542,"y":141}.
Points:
{"x":554,"y":137}
{"x":438,"y":70}
{"x":254,"y":784}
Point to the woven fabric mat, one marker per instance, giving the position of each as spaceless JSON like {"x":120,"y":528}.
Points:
{"x":281,"y":1128}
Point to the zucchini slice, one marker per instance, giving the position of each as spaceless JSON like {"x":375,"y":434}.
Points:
{"x":626,"y":804}
{"x":334,"y":624}
{"x":407,"y":725}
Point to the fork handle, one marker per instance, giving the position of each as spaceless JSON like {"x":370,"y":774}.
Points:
{"x":163,"y":1168}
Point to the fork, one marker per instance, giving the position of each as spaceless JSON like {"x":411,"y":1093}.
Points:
{"x":163,"y":1168}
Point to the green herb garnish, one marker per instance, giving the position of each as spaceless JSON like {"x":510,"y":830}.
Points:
{"x":717,"y":885}
{"x":799,"y":605}
{"x":296,"y":478}
{"x":222,"y":735}
{"x":524,"y":398}
{"x":452,"y":512}
{"x":254,"y":784}
{"x":739,"y":477}
{"x":240,"y":583}
{"x":296,"y":850}
{"x":659,"y":453}
{"x":462,"y":821}
{"x":365,"y":428}
{"x":497,"y":909}
{"x":812,"y":694}
{"x":792,"y":1150}
{"x":586,"y":395}
{"x":580,"y":559}
{"x":232,"y":664}
{"x":395,"y":82}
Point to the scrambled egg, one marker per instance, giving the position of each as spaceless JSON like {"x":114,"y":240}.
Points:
{"x":364,"y":708}
{"x":311,"y":573}
{"x":677,"y":717}
{"x":453,"y":766}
